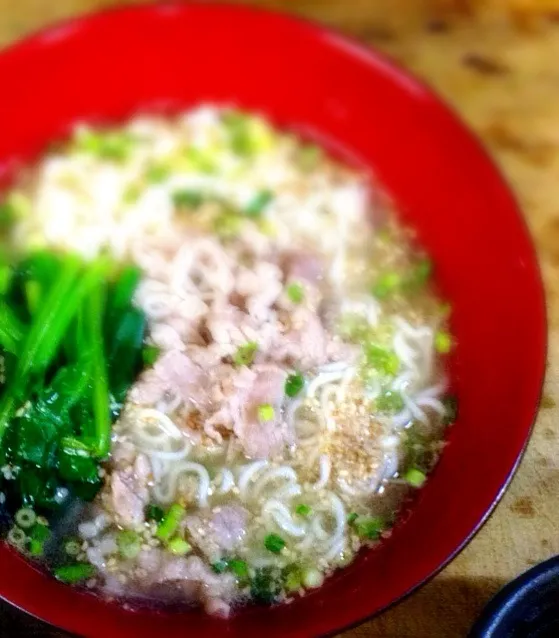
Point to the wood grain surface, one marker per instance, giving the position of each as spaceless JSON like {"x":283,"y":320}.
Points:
{"x":500,"y":71}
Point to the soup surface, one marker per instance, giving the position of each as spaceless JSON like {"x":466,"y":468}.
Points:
{"x":223,"y":362}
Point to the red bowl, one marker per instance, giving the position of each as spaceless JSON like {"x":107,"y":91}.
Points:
{"x":313,"y":80}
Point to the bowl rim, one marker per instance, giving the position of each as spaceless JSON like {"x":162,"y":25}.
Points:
{"x":429,"y":95}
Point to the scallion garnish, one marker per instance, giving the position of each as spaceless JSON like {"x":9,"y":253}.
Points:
{"x":239,"y":568}
{"x":74,"y":573}
{"x":17,"y":537}
{"x":386,"y":285}
{"x":72,"y":547}
{"x":187,"y":198}
{"x":129,"y":543}
{"x":369,"y":527}
{"x":443,"y":342}
{"x":382,"y":359}
{"x":303,"y":510}
{"x":258,"y":203}
{"x":294,"y":384}
{"x":266,"y":412}
{"x":295,"y":292}
{"x":154,"y":513}
{"x":25,"y":518}
{"x":170,"y":523}
{"x":244,"y":355}
{"x":150,"y":354}
{"x":274,"y":543}
{"x":179,"y":546}
{"x":415,"y":477}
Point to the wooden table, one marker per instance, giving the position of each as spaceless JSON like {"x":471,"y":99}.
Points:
{"x":505,"y":83}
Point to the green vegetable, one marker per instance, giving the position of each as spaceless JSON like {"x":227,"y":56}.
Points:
{"x":150,"y":354}
{"x":12,"y":329}
{"x":386,"y":285}
{"x":220,"y":566}
{"x":415,"y":477}
{"x":292,"y":578}
{"x":443,"y":342}
{"x":25,"y":518}
{"x":303,"y":510}
{"x":295,"y":292}
{"x":258,"y":203}
{"x":157,"y":173}
{"x":100,"y":390}
{"x":239,"y":568}
{"x":154,"y":513}
{"x":72,"y":547}
{"x":17,"y":537}
{"x":179,"y":546}
{"x":369,"y":527}
{"x":76,"y":573}
{"x":381,"y":359}
{"x":267,"y":585}
{"x":274,"y":543}
{"x":109,"y":145}
{"x":170,"y":523}
{"x":294,"y":384}
{"x":390,"y":402}
{"x":244,"y":355}
{"x":36,"y":548}
{"x":420,"y":274}
{"x":187,"y":198}
{"x":129,"y":543}
{"x":227,"y":224}
{"x":200,"y":159}
{"x":40,"y":532}
{"x":266,"y":412}
{"x":352,"y":517}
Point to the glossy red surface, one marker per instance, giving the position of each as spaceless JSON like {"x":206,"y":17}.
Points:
{"x":119,"y":62}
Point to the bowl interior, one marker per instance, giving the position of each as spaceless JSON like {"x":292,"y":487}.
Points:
{"x":171,"y":57}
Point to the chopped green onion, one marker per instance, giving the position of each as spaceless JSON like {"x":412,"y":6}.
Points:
{"x":292,"y":578}
{"x":170,"y":522}
{"x":74,"y":573}
{"x":72,"y":547}
{"x":266,"y":412}
{"x":17,"y":537}
{"x":369,"y":527}
{"x":36,"y":548}
{"x":25,"y":518}
{"x":351,"y":518}
{"x":259,"y":202}
{"x":227,"y":224}
{"x":239,"y":568}
{"x":274,"y":543}
{"x":421,"y":273}
{"x":179,"y":546}
{"x":390,"y":402}
{"x":131,"y":193}
{"x":295,"y":292}
{"x":312,"y":578}
{"x":109,"y":145}
{"x":157,"y":173}
{"x":245,"y":354}
{"x":303,"y":510}
{"x":415,"y":477}
{"x":150,"y":354}
{"x":40,"y":532}
{"x":187,"y":198}
{"x":220,"y":566}
{"x":443,"y":342}
{"x":386,"y":285}
{"x":154,"y":513}
{"x":200,"y":159}
{"x":294,"y":384}
{"x":382,"y":359}
{"x":129,"y":543}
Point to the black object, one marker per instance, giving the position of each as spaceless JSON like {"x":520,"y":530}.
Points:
{"x":526,"y":608}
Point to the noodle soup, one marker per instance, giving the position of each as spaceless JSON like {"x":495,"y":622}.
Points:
{"x":251,"y":381}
